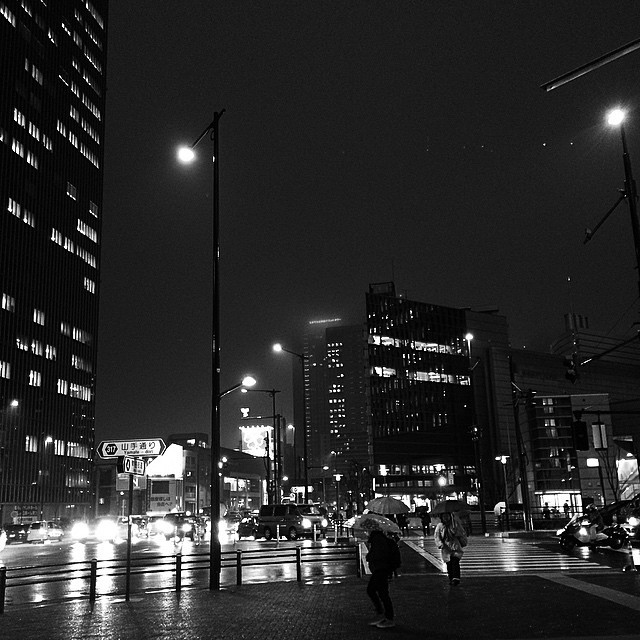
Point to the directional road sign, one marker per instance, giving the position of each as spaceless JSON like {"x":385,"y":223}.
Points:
{"x":131,"y":465}
{"x":134,"y":448}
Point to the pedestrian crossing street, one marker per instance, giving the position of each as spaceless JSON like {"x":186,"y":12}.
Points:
{"x":503,"y":556}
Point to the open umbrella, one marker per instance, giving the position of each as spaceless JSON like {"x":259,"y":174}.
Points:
{"x":387,"y":505}
{"x":450,"y":506}
{"x":371,"y":522}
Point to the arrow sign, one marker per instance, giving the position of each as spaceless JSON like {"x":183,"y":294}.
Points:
{"x":131,"y":465}
{"x":134,"y":448}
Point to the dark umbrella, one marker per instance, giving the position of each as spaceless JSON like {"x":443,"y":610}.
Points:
{"x":450,"y":506}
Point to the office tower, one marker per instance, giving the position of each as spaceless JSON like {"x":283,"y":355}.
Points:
{"x":52,"y":99}
{"x":421,"y":399}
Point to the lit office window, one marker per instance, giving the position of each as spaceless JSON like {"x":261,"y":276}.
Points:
{"x":17,"y":147}
{"x":35,"y":379}
{"x":36,"y":347}
{"x":34,"y":131}
{"x":63,"y":387}
{"x":31,"y":444}
{"x":50,"y":352}
{"x":72,"y":192}
{"x":89,"y":285}
{"x":93,"y":209}
{"x":32,"y":159}
{"x":19,"y":118}
{"x":38,"y":317}
{"x":4,"y":11}
{"x":5,"y":370}
{"x":65,"y":329}
{"x":22,"y":343}
{"x":8,"y":302}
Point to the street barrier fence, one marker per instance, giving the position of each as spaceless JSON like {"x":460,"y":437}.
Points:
{"x":94,"y":570}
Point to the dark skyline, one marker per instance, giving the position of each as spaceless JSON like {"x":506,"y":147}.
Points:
{"x":362,"y":142}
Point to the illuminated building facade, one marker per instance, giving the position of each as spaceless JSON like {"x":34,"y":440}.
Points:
{"x":420,"y":394}
{"x":52,"y":99}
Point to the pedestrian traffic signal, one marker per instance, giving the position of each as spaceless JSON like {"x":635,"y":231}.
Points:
{"x":572,"y":363}
{"x":580,"y":436}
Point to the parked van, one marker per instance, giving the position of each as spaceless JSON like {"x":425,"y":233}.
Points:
{"x":294,"y":520}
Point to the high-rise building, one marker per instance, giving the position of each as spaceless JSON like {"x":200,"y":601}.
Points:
{"x":52,"y":100}
{"x":421,"y":399}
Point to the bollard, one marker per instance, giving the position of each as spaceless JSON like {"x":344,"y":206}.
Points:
{"x":358,"y":562}
{"x":335,"y":532}
{"x":238,"y":567}
{"x":634,"y":558}
{"x":3,"y":587}
{"x":313,"y":529}
{"x":299,"y":564}
{"x":92,"y":582}
{"x":178,"y":572}
{"x":277,"y":535}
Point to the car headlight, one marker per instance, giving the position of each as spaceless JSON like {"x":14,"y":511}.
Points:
{"x":80,"y":530}
{"x":165,"y":527}
{"x":187,"y":526}
{"x":633,"y":521}
{"x":106,"y":530}
{"x":306,"y":523}
{"x":324,"y":523}
{"x":583,"y":531}
{"x":559,"y":532}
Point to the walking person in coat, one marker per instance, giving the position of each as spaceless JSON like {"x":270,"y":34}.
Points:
{"x":382,"y":564}
{"x":451,"y":538}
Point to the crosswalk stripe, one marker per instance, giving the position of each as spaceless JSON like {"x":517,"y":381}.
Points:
{"x":493,"y":557}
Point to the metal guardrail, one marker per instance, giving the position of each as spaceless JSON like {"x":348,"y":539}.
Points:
{"x":178,"y":564}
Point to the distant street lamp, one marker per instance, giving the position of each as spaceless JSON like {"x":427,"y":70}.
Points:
{"x":277,"y":453}
{"x":503,"y":460}
{"x":616,"y":118}
{"x":187,"y":154}
{"x":279,"y":348}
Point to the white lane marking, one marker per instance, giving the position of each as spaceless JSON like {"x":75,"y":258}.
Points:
{"x":436,"y":562}
{"x":618,"y":597}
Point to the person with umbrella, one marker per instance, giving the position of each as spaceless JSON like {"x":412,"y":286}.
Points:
{"x":383,"y":558}
{"x":451,"y":539}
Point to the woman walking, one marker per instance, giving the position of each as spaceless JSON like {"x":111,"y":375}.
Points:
{"x":450,"y":538}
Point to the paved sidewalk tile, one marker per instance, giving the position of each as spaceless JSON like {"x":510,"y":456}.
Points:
{"x":518,"y":607}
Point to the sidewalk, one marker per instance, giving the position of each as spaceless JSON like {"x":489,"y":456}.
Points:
{"x":549,"y":606}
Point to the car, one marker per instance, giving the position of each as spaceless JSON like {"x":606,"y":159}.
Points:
{"x":294,"y":520}
{"x":177,"y":525}
{"x":102,"y":529}
{"x":43,"y":530}
{"x":16,"y":532}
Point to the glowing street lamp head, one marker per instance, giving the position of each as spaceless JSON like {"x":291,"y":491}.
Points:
{"x":186,"y":154}
{"x":277,"y":347}
{"x":248,"y":381}
{"x":616,"y":117}
{"x":469,"y":337}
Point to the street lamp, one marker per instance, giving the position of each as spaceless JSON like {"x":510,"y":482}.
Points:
{"x":503,"y":460}
{"x":616,"y":118}
{"x":277,"y":454}
{"x":247,"y":381}
{"x":187,"y":154}
{"x":279,"y":348}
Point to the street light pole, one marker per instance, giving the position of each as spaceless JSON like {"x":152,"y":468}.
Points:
{"x":503,"y":461}
{"x":187,"y":154}
{"x":305,"y":452}
{"x":632,"y":198}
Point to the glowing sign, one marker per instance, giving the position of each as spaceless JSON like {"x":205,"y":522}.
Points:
{"x":255,"y":438}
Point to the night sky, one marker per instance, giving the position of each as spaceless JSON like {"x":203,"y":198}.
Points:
{"x":362,"y":142}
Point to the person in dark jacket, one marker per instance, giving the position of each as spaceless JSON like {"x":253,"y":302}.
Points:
{"x":380,"y":562}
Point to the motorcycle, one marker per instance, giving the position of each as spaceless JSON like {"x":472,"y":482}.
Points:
{"x":576,"y":533}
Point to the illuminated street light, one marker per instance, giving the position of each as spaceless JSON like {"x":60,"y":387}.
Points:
{"x":187,"y":155}
{"x":616,"y":117}
{"x":278,"y":348}
{"x":247,"y":381}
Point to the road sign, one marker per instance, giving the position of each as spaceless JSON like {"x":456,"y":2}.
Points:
{"x":134,"y":448}
{"x":136,"y":466}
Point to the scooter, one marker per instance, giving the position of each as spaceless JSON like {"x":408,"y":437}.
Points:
{"x":576,"y":534}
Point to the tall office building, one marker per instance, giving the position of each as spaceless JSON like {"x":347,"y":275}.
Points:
{"x":422,"y":405}
{"x":52,"y":98}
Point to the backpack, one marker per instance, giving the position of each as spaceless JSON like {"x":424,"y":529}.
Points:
{"x":394,"y":554}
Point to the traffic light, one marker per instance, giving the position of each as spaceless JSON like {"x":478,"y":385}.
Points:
{"x":580,"y":435}
{"x":572,"y":363}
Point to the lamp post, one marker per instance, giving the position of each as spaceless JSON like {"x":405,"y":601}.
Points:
{"x":45,"y":471}
{"x":187,"y":154}
{"x":291,"y":428}
{"x":616,"y":117}
{"x":338,"y":477}
{"x":503,"y":460}
{"x":277,"y":460}
{"x":278,"y":348}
